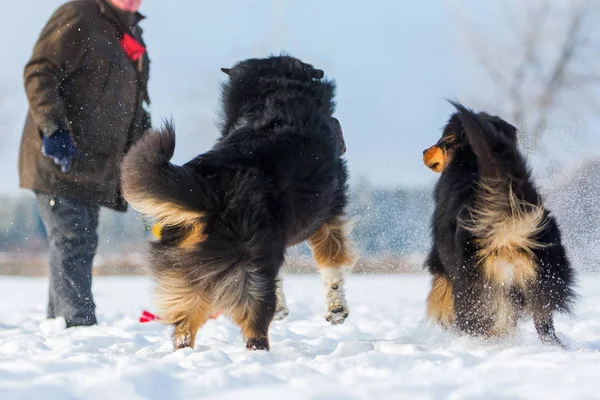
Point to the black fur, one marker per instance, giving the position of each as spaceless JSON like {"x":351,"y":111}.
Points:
{"x":485,"y":146}
{"x":272,"y":179}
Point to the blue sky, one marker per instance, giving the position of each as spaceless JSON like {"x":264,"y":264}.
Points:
{"x":395,"y":63}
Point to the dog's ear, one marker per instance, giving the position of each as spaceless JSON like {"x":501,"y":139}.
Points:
{"x":337,"y":128}
{"x":504,"y":127}
{"x":226,"y":70}
{"x":317,"y":73}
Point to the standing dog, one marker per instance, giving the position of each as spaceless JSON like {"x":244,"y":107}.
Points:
{"x":497,"y":252}
{"x":275,"y":178}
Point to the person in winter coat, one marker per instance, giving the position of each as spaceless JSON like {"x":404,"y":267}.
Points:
{"x":86,"y":84}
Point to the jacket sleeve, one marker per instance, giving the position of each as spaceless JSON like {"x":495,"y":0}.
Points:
{"x":56,"y":55}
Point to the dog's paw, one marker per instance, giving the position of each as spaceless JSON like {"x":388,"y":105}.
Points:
{"x":183,"y":341}
{"x":281,"y":312}
{"x":553,"y":340}
{"x":257,"y":344}
{"x":337,"y":314}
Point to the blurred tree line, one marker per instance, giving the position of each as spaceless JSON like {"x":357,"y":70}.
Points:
{"x":392,"y":224}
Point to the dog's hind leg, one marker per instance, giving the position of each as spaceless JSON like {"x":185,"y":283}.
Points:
{"x":440,"y":301}
{"x":182,"y":306}
{"x":281,"y":309}
{"x":552,"y":291}
{"x":184,"y":334}
{"x":254,"y":313}
{"x":332,"y":250}
{"x":544,"y":325}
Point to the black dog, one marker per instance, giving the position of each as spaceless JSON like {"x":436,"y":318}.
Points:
{"x":275,"y":178}
{"x":497,"y":252}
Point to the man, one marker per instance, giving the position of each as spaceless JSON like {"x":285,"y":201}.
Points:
{"x":86,"y":83}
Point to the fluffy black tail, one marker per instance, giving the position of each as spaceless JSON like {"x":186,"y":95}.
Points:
{"x":171,"y":194}
{"x":493,"y":141}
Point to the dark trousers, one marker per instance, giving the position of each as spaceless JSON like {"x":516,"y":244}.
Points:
{"x":71,"y":228}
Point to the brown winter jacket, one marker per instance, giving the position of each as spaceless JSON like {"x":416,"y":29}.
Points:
{"x":79,"y":78}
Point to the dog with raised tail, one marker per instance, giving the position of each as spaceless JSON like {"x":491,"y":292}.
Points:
{"x":497,"y":253}
{"x":275,"y":178}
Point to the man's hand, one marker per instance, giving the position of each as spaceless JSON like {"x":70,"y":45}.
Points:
{"x":60,"y":148}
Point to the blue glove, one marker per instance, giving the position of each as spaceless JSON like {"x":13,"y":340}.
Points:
{"x":60,"y":148}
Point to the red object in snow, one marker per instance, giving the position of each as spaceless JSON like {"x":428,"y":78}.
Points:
{"x":132,"y":48}
{"x":148,"y":316}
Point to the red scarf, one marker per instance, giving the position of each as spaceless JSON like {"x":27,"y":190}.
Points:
{"x":132,"y":48}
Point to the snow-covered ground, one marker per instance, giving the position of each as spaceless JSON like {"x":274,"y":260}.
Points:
{"x":384,"y":350}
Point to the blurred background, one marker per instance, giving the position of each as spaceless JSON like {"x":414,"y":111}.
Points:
{"x":536,"y":63}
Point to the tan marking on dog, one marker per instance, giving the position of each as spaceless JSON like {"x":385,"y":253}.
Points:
{"x":185,"y":331}
{"x":165,"y":213}
{"x":331,"y":246}
{"x":435,"y":159}
{"x":509,"y":267}
{"x":194,"y":235}
{"x":332,"y":249}
{"x":505,"y":228}
{"x":440,"y":302}
{"x":183,"y":301}
{"x":183,"y":306}
{"x":175,"y":296}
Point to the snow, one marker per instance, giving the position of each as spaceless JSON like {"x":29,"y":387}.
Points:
{"x":384,"y":350}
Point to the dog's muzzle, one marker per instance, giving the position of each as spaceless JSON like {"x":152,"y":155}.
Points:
{"x":434,"y":158}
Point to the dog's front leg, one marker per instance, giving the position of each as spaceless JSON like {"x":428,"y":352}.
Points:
{"x":254,"y":312}
{"x":544,"y":325}
{"x":335,"y":298}
{"x":281,"y":309}
{"x":332,"y":249}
